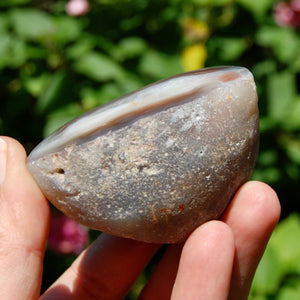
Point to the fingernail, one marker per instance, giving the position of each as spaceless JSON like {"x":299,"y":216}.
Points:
{"x":3,"y":159}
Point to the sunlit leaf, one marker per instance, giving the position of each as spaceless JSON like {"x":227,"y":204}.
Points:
{"x":292,"y":120}
{"x":67,"y":29}
{"x":268,"y":274}
{"x":284,"y":42}
{"x":81,"y":47}
{"x":281,"y":90}
{"x":285,"y":241}
{"x":99,"y":67}
{"x":61,"y":116}
{"x":4,"y":21}
{"x":230,"y":49}
{"x":257,"y":7}
{"x":13,"y":2}
{"x":36,"y":85}
{"x":268,"y":157}
{"x":32,"y":23}
{"x":212,"y":2}
{"x":129,"y":47}
{"x":292,"y":146}
{"x":282,"y":256}
{"x":92,"y":98}
{"x":264,"y":68}
{"x":12,"y":51}
{"x":51,"y":93}
{"x":289,"y":293}
{"x":269,"y":175}
{"x":159,"y":65}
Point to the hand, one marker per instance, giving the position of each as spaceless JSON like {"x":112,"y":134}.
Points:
{"x":217,"y":261}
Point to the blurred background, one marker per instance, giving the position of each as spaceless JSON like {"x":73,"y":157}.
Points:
{"x":61,"y":58}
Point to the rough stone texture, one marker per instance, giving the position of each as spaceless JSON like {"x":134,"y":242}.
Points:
{"x":158,"y":177}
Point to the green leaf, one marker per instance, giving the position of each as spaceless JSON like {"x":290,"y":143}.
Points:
{"x":4,"y":23}
{"x":159,"y":65}
{"x":285,"y":241}
{"x":30,"y":23}
{"x":269,"y":175}
{"x":253,"y":296}
{"x":268,"y":157}
{"x":281,"y":91}
{"x":289,"y":293}
{"x":51,"y":93}
{"x":36,"y":85}
{"x":12,"y":51}
{"x":92,"y":98}
{"x":281,"y":258}
{"x":268,"y":274}
{"x":13,"y":2}
{"x":99,"y":67}
{"x":212,"y":2}
{"x":264,"y":68}
{"x":258,"y":7}
{"x":80,"y":48}
{"x":129,"y":47}
{"x":284,"y":42}
{"x":230,"y":49}
{"x":67,"y":29}
{"x":292,"y":120}
{"x":61,"y":116}
{"x":292,"y":146}
{"x":131,"y":83}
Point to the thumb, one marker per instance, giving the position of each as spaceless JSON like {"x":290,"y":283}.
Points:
{"x":24,"y":223}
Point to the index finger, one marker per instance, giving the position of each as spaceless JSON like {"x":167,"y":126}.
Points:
{"x":252,"y":216}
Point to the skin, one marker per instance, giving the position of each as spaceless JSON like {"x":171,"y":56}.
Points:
{"x":217,"y":261}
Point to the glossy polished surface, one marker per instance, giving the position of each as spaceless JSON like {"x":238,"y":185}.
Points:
{"x":155,"y":164}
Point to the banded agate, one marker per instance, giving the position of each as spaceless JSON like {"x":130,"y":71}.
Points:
{"x":157,"y":163}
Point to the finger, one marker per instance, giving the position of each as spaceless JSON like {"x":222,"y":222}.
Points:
{"x":206,"y":263}
{"x":24,"y":222}
{"x":106,"y":270}
{"x":160,"y":284}
{"x":252,"y":216}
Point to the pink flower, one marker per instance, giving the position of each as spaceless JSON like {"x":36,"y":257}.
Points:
{"x":77,"y":7}
{"x":287,"y":14}
{"x":66,"y":236}
{"x":295,"y":5}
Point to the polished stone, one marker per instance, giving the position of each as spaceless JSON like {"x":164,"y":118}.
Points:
{"x":157,"y":163}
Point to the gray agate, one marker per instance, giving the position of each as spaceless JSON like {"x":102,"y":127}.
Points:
{"x":157,"y":163}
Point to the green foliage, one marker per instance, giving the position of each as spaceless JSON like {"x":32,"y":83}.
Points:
{"x":54,"y":67}
{"x":278,"y":275}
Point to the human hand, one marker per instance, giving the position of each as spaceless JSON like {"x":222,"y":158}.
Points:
{"x":217,"y":261}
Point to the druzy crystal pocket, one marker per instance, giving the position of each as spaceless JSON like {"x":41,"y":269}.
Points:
{"x":155,"y":164}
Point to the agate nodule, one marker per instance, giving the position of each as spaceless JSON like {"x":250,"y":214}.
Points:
{"x":155,"y":164}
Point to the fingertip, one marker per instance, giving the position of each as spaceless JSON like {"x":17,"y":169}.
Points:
{"x":16,"y":170}
{"x":21,"y":197}
{"x":263,"y":193}
{"x":208,"y":234}
{"x":12,"y":159}
{"x":252,"y":215}
{"x":207,"y":253}
{"x":206,"y":241}
{"x":14,"y":146}
{"x":256,"y":201}
{"x":24,"y":223}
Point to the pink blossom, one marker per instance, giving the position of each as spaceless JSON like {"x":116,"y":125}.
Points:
{"x":287,"y":14}
{"x":66,"y":236}
{"x":295,"y":5}
{"x":77,"y":7}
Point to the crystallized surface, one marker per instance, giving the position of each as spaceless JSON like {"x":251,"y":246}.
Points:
{"x":155,"y":173}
